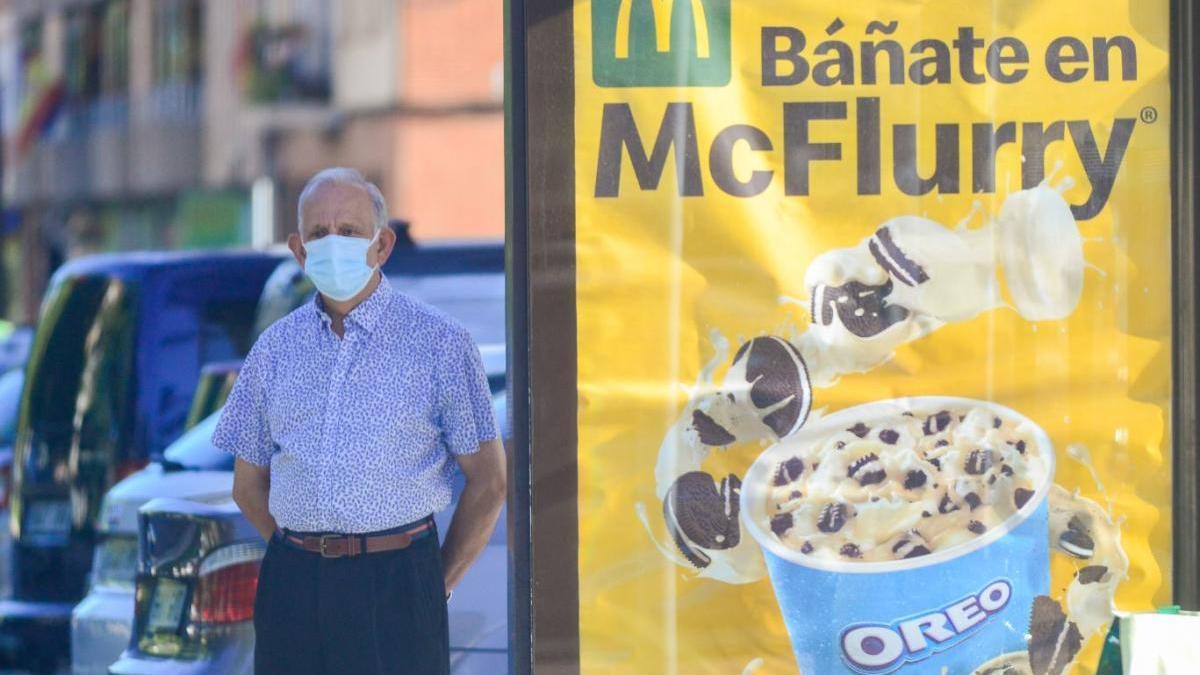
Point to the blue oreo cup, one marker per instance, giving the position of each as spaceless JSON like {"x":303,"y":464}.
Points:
{"x":954,"y":609}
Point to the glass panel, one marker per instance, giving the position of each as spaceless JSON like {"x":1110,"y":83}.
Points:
{"x":873,"y":313}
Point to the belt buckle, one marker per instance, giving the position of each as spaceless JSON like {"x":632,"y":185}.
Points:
{"x":324,"y":541}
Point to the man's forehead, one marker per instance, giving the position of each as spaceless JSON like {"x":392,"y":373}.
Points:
{"x":337,"y":201}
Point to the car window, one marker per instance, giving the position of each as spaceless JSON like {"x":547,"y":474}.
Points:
{"x":216,"y":381}
{"x":286,"y":289}
{"x":67,"y":315}
{"x":104,"y":414}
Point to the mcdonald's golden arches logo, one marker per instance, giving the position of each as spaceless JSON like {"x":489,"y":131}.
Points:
{"x":660,"y":43}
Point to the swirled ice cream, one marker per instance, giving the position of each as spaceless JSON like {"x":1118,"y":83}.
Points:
{"x":903,"y":485}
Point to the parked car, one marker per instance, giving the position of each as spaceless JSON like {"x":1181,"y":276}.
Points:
{"x":115,"y":358}
{"x":196,"y":558}
{"x":100,"y":623}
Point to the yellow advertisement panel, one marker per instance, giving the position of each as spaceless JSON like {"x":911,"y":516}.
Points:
{"x":874,"y":333}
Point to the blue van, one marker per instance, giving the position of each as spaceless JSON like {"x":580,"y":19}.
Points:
{"x":116,"y":356}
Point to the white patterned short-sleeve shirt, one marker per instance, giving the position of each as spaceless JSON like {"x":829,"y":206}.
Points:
{"x":361,"y":431}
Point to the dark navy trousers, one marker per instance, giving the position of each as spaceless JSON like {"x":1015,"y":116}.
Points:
{"x":373,"y":614}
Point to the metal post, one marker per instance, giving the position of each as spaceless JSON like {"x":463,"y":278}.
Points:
{"x":1185,"y":181}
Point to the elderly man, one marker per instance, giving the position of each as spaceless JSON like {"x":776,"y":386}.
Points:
{"x":347,"y":421}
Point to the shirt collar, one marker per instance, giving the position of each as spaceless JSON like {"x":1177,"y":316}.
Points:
{"x":367,"y":313}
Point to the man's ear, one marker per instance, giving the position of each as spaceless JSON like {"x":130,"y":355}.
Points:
{"x":383,"y":248}
{"x":297,"y":248}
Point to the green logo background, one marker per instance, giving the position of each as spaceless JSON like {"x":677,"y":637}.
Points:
{"x":645,"y":65}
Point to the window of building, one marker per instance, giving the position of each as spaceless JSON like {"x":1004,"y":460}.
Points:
{"x":284,"y":51}
{"x":178,"y":35}
{"x":114,"y":70}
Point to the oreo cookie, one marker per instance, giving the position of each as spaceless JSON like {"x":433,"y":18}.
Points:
{"x":710,"y":431}
{"x":1077,"y":541}
{"x":915,"y":479}
{"x":889,"y":436}
{"x":979,"y":461}
{"x":911,"y":545}
{"x":700,"y":515}
{"x":778,"y":379}
{"x":861,"y":308}
{"x":1053,"y":640}
{"x":781,"y":523}
{"x":867,"y":470}
{"x":937,"y":422}
{"x":889,"y":256}
{"x":859,"y":429}
{"x":788,"y":471}
{"x":833,"y":518}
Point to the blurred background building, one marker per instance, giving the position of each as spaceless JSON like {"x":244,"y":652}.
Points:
{"x":168,"y":124}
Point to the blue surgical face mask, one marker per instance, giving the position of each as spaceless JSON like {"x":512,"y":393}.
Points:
{"x":338,"y":266}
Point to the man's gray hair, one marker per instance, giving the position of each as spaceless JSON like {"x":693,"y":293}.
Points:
{"x":340,"y":175}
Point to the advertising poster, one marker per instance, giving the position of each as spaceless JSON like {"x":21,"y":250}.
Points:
{"x":873,"y":332}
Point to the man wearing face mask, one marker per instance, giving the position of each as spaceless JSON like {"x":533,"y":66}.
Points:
{"x":347,"y":421}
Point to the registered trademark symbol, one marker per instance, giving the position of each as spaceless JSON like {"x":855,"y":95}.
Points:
{"x":1149,"y":115}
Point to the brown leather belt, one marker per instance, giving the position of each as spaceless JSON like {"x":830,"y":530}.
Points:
{"x":350,"y":545}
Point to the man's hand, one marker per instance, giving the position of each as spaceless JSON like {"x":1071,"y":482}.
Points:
{"x":251,"y":488}
{"x":478,"y":508}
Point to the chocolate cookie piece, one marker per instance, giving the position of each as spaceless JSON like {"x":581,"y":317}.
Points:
{"x":915,"y":479}
{"x":700,"y":515}
{"x":1021,"y":497}
{"x":979,"y":461}
{"x":861,"y":308}
{"x":779,"y":382}
{"x":1092,"y":574}
{"x":788,"y":471}
{"x":889,"y":436}
{"x":976,"y":527}
{"x":911,"y":545}
{"x":972,"y":500}
{"x":851,"y":551}
{"x":867,"y":470}
{"x":1053,"y":641}
{"x":781,"y":523}
{"x":833,"y":518}
{"x":889,"y":256}
{"x":859,"y":429}
{"x":710,"y":431}
{"x":806,"y":548}
{"x":947,"y":505}
{"x":937,"y":423}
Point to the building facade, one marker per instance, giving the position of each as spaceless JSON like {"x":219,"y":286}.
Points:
{"x":142,"y":124}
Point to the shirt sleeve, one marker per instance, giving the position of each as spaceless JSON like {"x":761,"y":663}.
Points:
{"x":465,"y":402}
{"x":242,"y":430}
